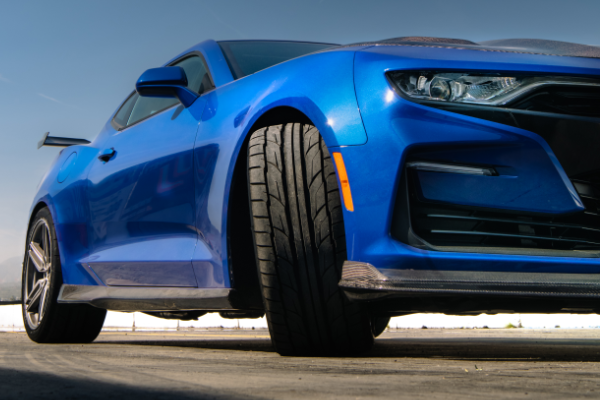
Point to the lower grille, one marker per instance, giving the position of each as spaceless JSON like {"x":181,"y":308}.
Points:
{"x":442,"y":225}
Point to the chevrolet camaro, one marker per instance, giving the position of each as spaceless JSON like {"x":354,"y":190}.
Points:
{"x":329,"y":187}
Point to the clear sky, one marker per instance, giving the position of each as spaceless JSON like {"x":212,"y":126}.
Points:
{"x":66,"y":65}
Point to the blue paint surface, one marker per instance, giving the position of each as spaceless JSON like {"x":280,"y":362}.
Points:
{"x":65,"y":169}
{"x":162,"y":199}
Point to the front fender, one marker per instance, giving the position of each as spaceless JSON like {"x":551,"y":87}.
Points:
{"x":321,"y":86}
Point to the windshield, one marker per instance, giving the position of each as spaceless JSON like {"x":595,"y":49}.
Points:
{"x":247,"y":57}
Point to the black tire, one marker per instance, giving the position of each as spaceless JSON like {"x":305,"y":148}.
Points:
{"x":59,"y":323}
{"x":379,"y":324}
{"x":301,"y":245}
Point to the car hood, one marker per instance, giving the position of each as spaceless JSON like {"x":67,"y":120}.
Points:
{"x":525,"y":46}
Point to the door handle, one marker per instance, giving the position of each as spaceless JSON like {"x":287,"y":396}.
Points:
{"x":107,"y":155}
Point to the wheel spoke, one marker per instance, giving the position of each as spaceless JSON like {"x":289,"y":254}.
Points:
{"x":38,"y":257}
{"x":46,"y":244}
{"x":33,"y":299}
{"x":38,"y":272}
{"x":42,"y":301}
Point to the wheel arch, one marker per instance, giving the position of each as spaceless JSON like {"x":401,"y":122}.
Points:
{"x":34,"y":210}
{"x":242,"y":261}
{"x":47,"y":202}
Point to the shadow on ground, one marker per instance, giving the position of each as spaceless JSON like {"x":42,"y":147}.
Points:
{"x":263,"y":345}
{"x":19,"y":384}
{"x":489,"y":348}
{"x":499,"y":349}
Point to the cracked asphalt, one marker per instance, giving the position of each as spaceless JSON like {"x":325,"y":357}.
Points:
{"x":241,"y":364}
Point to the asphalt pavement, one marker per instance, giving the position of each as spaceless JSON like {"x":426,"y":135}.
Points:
{"x":241,"y":364}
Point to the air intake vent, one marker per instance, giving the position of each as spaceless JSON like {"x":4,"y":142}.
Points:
{"x":454,"y":227}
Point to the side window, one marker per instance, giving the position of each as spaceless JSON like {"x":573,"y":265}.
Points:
{"x":197,"y":74}
{"x":137,"y":108}
{"x":146,"y":106}
{"x":122,"y":116}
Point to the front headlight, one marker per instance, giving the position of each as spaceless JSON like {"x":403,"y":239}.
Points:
{"x":475,"y":88}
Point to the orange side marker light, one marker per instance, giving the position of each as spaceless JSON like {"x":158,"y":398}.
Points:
{"x":343,"y":176}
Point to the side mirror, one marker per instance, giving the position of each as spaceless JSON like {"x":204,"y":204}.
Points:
{"x":166,"y":82}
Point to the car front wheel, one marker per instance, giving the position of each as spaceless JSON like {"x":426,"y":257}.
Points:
{"x":301,"y":245}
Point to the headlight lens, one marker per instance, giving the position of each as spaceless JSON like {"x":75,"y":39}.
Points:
{"x":474,"y":88}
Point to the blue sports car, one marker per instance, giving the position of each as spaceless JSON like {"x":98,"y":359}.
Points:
{"x":330,"y":187}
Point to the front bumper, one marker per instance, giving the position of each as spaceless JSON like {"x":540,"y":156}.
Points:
{"x":532,"y":186}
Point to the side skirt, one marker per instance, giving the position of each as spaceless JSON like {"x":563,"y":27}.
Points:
{"x":153,"y":299}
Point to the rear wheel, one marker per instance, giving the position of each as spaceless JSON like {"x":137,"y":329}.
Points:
{"x":300,"y":244}
{"x":47,"y":321}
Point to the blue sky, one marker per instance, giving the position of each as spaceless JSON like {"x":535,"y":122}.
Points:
{"x":66,"y":65}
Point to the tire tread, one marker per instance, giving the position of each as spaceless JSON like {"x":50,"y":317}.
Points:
{"x":301,"y":248}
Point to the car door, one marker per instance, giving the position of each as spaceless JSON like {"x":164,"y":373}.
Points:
{"x":141,"y":191}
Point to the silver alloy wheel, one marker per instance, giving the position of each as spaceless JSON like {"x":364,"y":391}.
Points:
{"x":37,"y":274}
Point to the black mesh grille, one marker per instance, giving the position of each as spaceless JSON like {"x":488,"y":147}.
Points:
{"x":579,"y":101}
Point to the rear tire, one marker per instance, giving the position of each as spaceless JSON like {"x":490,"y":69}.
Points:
{"x":379,"y":325}
{"x":46,"y":320}
{"x":300,"y":244}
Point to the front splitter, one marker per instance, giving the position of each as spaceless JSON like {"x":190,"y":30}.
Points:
{"x":362,"y":281}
